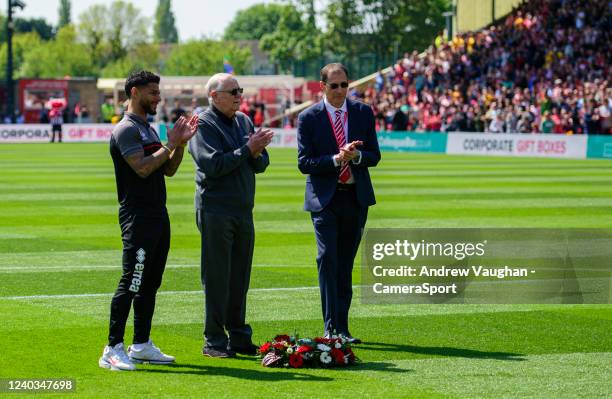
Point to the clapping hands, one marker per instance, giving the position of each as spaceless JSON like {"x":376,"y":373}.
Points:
{"x":349,"y":151}
{"x":184,"y":129}
{"x":259,"y":140}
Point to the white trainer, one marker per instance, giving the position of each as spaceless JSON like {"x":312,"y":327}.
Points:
{"x":148,"y":353}
{"x":116,"y":359}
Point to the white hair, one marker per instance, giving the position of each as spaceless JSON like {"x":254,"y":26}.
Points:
{"x":216,"y":82}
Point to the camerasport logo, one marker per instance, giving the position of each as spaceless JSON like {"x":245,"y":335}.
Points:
{"x":138,"y":269}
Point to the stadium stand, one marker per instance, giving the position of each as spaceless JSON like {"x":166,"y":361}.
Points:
{"x":543,"y":68}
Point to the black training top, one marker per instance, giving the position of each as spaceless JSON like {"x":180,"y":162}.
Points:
{"x":136,"y":194}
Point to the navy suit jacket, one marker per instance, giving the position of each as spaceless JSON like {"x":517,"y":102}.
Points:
{"x":317,"y":146}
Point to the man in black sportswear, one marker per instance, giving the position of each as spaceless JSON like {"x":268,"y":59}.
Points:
{"x":141,"y":161}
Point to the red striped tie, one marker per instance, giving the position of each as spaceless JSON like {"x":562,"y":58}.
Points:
{"x":345,"y":170}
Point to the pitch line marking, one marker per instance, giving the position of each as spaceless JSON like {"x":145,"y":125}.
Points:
{"x":59,"y":268}
{"x":102,"y":295}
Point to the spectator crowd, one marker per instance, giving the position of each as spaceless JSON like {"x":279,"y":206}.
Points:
{"x":544,"y":68}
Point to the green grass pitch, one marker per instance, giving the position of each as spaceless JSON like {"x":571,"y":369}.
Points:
{"x":60,"y":255}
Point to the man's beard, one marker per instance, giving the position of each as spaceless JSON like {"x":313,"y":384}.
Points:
{"x":149,"y":109}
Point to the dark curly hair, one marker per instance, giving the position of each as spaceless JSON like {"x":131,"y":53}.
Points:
{"x":139,"y":78}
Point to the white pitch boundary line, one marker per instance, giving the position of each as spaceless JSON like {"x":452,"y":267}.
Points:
{"x":60,"y":268}
{"x":103,"y":295}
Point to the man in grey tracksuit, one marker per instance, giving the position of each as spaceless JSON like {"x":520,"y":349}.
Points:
{"x":227,"y":153}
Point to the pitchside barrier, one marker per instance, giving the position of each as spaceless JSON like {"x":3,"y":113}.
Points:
{"x":41,"y":133}
{"x":283,"y":138}
{"x":514,"y":145}
{"x":518,"y":145}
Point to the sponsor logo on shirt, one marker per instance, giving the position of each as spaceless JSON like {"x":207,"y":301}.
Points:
{"x":138,"y":270}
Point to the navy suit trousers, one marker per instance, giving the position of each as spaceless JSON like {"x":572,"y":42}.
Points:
{"x":338,"y":229}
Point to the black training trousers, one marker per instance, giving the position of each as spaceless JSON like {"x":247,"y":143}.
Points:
{"x":146,"y":241}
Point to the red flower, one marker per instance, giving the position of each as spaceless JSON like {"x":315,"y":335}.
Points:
{"x":264,"y":348}
{"x":278,"y":345}
{"x":321,"y":340}
{"x":296,"y":361}
{"x":281,"y":338}
{"x":304,"y":349}
{"x":338,"y":356}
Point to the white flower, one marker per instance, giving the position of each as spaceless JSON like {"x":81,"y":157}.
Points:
{"x":338,"y":345}
{"x":289,"y":350}
{"x":323,"y":347}
{"x":346,"y":359}
{"x":325,"y":358}
{"x":334,"y":337}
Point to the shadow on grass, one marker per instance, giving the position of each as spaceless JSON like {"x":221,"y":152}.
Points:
{"x":375,"y":366}
{"x":247,"y":374}
{"x":442,"y":351}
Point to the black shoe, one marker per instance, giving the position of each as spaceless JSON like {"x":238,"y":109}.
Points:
{"x":218,"y":352}
{"x":250,"y":350}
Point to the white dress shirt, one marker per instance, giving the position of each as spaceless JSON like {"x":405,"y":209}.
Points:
{"x":331,"y":111}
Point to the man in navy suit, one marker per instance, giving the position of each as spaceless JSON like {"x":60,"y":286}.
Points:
{"x":336,"y":146}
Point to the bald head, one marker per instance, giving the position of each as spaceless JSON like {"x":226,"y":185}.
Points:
{"x":218,"y":89}
{"x":218,"y":82}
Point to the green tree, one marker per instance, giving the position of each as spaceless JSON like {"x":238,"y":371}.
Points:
{"x":343,"y":20}
{"x":23,"y":44}
{"x":377,"y":26}
{"x":64,"y":56}
{"x":164,"y":30}
{"x":64,"y":13}
{"x":197,"y":57}
{"x":410,"y":24}
{"x":352,"y":30}
{"x":145,"y":56}
{"x":127,"y":28}
{"x":23,"y":25}
{"x":92,"y":30}
{"x":38,"y":25}
{"x":293,"y":39}
{"x":254,"y":22}
{"x":111,"y":32}
{"x":427,"y":20}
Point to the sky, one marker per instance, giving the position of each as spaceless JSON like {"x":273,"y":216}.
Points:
{"x":194,"y":18}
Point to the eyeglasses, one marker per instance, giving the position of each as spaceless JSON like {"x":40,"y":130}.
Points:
{"x":233,"y":92}
{"x":334,"y":86}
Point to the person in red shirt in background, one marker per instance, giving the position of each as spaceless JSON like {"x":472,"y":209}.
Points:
{"x":433,"y":121}
{"x":258,"y":119}
{"x":558,"y":129}
{"x":244,"y":106}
